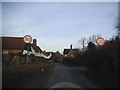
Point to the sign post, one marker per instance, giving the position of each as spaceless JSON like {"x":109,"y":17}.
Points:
{"x":27,"y":39}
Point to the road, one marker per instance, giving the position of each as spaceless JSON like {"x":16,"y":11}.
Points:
{"x":57,"y":77}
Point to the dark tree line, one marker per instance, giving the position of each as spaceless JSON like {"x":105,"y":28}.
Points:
{"x":102,"y":62}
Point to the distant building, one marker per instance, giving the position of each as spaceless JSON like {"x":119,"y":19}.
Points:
{"x":57,"y":57}
{"x":12,"y":45}
{"x":70,"y":52}
{"x":91,"y":45}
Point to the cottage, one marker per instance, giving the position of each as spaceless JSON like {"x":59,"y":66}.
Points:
{"x":14,"y":45}
{"x":70,"y":52}
{"x":33,"y":49}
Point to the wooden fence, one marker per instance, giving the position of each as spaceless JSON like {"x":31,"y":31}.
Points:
{"x":22,"y":59}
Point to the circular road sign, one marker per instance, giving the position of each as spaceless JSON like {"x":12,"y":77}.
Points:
{"x":27,"y":39}
{"x":100,"y":41}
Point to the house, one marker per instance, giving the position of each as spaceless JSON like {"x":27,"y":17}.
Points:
{"x":15,"y":45}
{"x":70,"y":52}
{"x":12,"y":45}
{"x":33,"y":49}
{"x":58,"y":57}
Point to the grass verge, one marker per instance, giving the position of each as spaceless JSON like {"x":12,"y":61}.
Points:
{"x":16,"y":73}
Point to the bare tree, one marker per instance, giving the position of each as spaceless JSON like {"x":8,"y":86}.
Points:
{"x":93,"y":38}
{"x":118,"y":26}
{"x":82,"y":42}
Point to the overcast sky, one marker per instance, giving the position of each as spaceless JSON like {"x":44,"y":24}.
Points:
{"x":57,"y":25}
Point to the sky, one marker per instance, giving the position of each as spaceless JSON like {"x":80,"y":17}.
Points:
{"x":56,"y":25}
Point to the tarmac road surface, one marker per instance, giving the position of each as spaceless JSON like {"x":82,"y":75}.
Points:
{"x":60,"y":76}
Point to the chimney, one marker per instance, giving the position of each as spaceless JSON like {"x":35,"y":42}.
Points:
{"x":34,"y":42}
{"x":71,"y":46}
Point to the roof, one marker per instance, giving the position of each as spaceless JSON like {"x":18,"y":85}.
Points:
{"x":75,"y":50}
{"x":28,"y":47}
{"x":39,"y":49}
{"x":71,"y":54}
{"x":12,"y":43}
{"x":36,"y":48}
{"x":66,"y":51}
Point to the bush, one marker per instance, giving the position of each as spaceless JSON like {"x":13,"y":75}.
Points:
{"x":102,"y":64}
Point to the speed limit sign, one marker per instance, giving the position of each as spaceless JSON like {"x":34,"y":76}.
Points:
{"x":27,"y":39}
{"x":100,"y":41}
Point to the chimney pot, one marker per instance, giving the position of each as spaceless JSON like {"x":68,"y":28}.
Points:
{"x":34,"y":42}
{"x":71,"y":46}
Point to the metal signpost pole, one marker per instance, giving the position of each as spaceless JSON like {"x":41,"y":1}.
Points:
{"x":27,"y":40}
{"x":27,"y":53}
